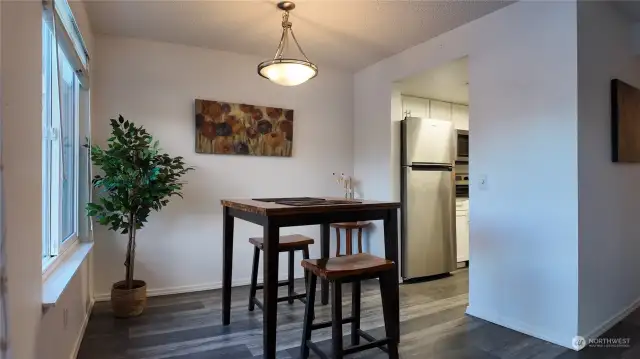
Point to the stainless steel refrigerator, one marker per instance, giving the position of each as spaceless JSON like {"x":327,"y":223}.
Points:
{"x":428,"y":197}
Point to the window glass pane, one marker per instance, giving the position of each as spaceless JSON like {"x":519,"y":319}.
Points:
{"x":68,"y":138}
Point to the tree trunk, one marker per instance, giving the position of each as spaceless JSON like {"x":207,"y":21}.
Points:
{"x":132,"y":257}
{"x":131,"y":248}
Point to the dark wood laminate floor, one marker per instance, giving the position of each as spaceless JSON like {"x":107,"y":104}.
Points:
{"x":188,"y":326}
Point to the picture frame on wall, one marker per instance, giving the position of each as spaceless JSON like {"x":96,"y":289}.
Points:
{"x":625,"y":122}
{"x":242,"y":129}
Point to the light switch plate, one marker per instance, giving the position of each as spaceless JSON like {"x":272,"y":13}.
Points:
{"x":483,"y":182}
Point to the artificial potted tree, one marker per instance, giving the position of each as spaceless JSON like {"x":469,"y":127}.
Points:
{"x":136,"y":179}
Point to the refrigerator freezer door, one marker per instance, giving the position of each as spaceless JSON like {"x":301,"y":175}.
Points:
{"x":429,"y":240}
{"x":427,"y":141}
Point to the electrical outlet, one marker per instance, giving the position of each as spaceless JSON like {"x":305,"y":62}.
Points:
{"x":65,"y":318}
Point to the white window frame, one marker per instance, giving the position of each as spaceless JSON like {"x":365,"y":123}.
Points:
{"x":66,"y":243}
{"x":54,"y":245}
{"x":47,"y":40}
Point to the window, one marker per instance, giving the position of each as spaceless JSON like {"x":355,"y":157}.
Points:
{"x":60,"y":149}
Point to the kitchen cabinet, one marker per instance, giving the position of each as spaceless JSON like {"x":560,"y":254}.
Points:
{"x":440,"y":110}
{"x":415,"y":107}
{"x":462,"y":230}
{"x":460,"y":116}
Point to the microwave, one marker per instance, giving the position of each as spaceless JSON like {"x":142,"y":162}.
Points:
{"x":462,"y":146}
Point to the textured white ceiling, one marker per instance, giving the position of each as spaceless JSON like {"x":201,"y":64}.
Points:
{"x":344,"y":34}
{"x":448,"y":82}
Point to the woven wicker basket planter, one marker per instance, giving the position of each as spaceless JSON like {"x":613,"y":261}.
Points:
{"x":128,"y":303}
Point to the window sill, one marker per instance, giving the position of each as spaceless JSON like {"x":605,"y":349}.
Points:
{"x":50,"y":264}
{"x":57,"y":281}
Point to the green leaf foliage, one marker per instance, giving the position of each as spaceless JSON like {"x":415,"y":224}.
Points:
{"x":137,"y":177}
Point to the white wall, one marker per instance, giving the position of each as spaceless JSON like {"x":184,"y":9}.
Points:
{"x":609,"y":198}
{"x":57,"y":339}
{"x":155,"y":85}
{"x":524,"y":238}
{"x":21,"y":151}
{"x":21,"y":83}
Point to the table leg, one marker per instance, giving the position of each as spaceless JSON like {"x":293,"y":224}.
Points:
{"x":227,"y":264}
{"x":270,"y":302}
{"x":391,"y":253}
{"x":325,"y":241}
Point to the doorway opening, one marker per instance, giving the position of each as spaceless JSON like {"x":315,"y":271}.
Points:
{"x":434,"y":173}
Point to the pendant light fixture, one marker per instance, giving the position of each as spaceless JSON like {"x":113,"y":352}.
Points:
{"x":287,"y":71}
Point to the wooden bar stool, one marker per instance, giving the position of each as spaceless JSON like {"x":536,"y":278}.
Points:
{"x":353,"y":269}
{"x":290,"y":243}
{"x":349,"y":227}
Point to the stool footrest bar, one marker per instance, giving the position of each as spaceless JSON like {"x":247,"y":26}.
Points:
{"x":329,"y":323}
{"x":300,"y":297}
{"x":362,"y":347}
{"x":366,"y":336}
{"x":294,"y":296}
{"x":282,"y":283}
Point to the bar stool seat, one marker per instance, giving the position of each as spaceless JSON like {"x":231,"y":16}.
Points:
{"x":347,"y":266}
{"x":288,"y":243}
{"x":350,"y":269}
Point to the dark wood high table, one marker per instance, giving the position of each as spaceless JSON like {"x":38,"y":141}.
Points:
{"x":272,"y":216}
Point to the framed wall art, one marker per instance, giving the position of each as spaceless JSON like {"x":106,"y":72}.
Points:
{"x":241,"y":129}
{"x":625,"y":122}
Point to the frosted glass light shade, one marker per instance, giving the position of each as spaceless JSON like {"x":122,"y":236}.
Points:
{"x":288,"y":72}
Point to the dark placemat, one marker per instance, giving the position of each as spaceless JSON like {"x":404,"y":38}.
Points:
{"x":314,"y":202}
{"x":287,"y":199}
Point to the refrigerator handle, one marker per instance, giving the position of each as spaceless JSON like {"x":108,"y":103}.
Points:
{"x":422,"y":166}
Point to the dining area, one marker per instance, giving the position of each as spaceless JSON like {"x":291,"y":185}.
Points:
{"x":332,"y":273}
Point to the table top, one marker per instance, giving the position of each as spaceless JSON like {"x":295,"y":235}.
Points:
{"x":275,"y":209}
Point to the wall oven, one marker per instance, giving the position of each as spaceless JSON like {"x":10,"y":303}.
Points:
{"x":462,"y":146}
{"x":462,"y":185}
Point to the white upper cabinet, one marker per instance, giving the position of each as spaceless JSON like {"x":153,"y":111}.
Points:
{"x":440,"y":110}
{"x":460,"y":116}
{"x":416,"y":107}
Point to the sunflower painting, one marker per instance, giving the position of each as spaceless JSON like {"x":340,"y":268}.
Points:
{"x":240,"y":129}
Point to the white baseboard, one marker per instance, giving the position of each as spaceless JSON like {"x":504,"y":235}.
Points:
{"x":521,"y":327}
{"x":83,"y":328}
{"x":608,"y":324}
{"x":154,"y":292}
